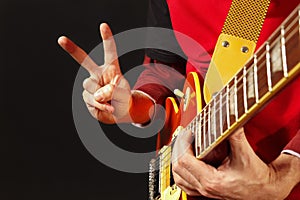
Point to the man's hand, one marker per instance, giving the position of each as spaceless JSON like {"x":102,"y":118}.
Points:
{"x":106,"y":92}
{"x":242,"y":175}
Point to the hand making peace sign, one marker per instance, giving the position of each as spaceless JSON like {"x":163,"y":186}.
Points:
{"x":106,"y":92}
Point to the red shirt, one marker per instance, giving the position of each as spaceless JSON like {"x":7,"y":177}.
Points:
{"x":275,"y":127}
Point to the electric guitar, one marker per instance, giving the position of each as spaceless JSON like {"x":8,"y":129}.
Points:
{"x":274,"y":66}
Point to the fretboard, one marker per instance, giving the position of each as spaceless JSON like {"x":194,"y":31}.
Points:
{"x":271,"y":68}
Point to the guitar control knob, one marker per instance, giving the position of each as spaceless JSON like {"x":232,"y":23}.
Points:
{"x":179,"y":93}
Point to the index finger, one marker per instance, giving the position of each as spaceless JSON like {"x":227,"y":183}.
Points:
{"x":109,"y":45}
{"x":77,"y":53}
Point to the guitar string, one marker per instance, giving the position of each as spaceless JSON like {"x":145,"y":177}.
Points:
{"x":239,"y":88}
{"x":205,"y":115}
{"x":201,"y":124}
{"x":166,"y":163}
{"x":259,"y":59}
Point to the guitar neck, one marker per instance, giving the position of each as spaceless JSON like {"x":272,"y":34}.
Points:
{"x":271,"y":68}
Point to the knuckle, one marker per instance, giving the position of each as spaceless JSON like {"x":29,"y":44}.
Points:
{"x":182,"y":161}
{"x":84,"y":95}
{"x":174,"y":168}
{"x":93,"y":103}
{"x":85,"y":83}
{"x":94,"y":76}
{"x":179,"y":182}
{"x":175,"y":176}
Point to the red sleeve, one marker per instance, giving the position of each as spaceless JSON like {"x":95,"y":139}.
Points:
{"x":294,"y":144}
{"x":160,"y":79}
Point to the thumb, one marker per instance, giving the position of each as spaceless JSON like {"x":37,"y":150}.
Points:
{"x":182,"y":145}
{"x":240,"y":148}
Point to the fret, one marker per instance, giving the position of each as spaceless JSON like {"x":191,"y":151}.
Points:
{"x":214,"y":121}
{"x":227,"y":107}
{"x":292,"y":43}
{"x":240,"y":92}
{"x":276,"y":60}
{"x":268,"y":60}
{"x":197,"y":135}
{"x":283,"y":53}
{"x":223,"y":121}
{"x":209,"y":123}
{"x":197,"y":138}
{"x":161,"y":175}
{"x":231,"y":103}
{"x":193,"y":127}
{"x":217,"y":116}
{"x":245,"y":89}
{"x":207,"y":128}
{"x":201,"y":134}
{"x":198,"y":123}
{"x":204,"y":129}
{"x":250,"y":84}
{"x":255,"y":79}
{"x":221,"y":112}
{"x":235,"y":99}
{"x":262,"y":76}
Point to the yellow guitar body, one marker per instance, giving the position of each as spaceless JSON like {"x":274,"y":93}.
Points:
{"x":176,"y":118}
{"x":180,"y":116}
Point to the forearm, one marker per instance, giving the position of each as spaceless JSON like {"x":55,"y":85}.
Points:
{"x":160,"y":79}
{"x":153,"y":86}
{"x":284,"y":175}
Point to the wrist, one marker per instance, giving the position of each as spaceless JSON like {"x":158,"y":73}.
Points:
{"x":141,"y":108}
{"x":284,"y":175}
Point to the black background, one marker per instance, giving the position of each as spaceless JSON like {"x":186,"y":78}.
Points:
{"x":42,"y":156}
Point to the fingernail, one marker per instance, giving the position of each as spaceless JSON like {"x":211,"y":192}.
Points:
{"x":98,"y":95}
{"x":115,"y":80}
